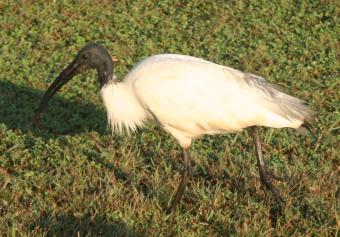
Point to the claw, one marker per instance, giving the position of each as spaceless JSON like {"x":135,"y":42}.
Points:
{"x":274,"y":176}
{"x":268,"y":184}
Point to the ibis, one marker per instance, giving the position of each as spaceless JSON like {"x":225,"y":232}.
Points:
{"x":188,"y":97}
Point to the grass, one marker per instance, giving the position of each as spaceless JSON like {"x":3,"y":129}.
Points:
{"x":71,"y":177}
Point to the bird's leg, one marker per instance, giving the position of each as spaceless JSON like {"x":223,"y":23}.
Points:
{"x":184,"y":181}
{"x":262,"y":169}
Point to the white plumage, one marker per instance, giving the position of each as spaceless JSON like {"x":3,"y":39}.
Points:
{"x":190,"y":97}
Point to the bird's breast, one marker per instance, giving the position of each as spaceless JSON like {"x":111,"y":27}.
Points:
{"x":124,"y":111}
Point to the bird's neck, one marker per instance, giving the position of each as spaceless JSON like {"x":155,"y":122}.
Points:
{"x":124,"y":110}
{"x":105,"y":74}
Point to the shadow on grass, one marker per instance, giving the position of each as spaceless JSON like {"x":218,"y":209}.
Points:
{"x":18,"y":105}
{"x":69,"y":225}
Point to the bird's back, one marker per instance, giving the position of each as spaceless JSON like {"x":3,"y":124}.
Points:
{"x":192,"y":96}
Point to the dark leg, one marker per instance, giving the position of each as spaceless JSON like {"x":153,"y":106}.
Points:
{"x":184,"y":181}
{"x":262,"y":169}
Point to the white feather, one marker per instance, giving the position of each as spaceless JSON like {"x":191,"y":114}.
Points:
{"x":123,"y":108}
{"x":190,"y":97}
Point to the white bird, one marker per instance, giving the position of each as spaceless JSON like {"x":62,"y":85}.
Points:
{"x":188,"y":97}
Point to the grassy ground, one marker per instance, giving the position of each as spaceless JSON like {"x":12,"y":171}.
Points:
{"x":72,"y":177}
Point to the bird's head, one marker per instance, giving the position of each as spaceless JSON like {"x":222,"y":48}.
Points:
{"x":92,"y":56}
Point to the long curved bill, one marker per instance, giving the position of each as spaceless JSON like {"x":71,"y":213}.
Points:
{"x":67,"y":74}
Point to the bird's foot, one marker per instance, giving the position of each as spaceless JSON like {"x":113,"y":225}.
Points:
{"x":171,"y":208}
{"x":265,"y":180}
{"x":274,"y":176}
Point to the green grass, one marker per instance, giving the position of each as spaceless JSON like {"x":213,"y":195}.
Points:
{"x":72,"y":177}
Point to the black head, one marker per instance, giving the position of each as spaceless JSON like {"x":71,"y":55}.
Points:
{"x":97,"y":57}
{"x":92,"y":56}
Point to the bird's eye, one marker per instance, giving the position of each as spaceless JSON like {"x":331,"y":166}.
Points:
{"x":84,"y":56}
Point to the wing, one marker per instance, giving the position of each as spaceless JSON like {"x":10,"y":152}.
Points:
{"x":196,"y":96}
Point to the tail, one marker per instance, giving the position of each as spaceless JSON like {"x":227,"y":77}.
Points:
{"x":282,"y":104}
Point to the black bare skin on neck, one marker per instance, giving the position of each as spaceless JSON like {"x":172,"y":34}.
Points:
{"x":97,"y":57}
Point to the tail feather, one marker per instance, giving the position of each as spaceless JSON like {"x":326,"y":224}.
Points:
{"x":284,"y":105}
